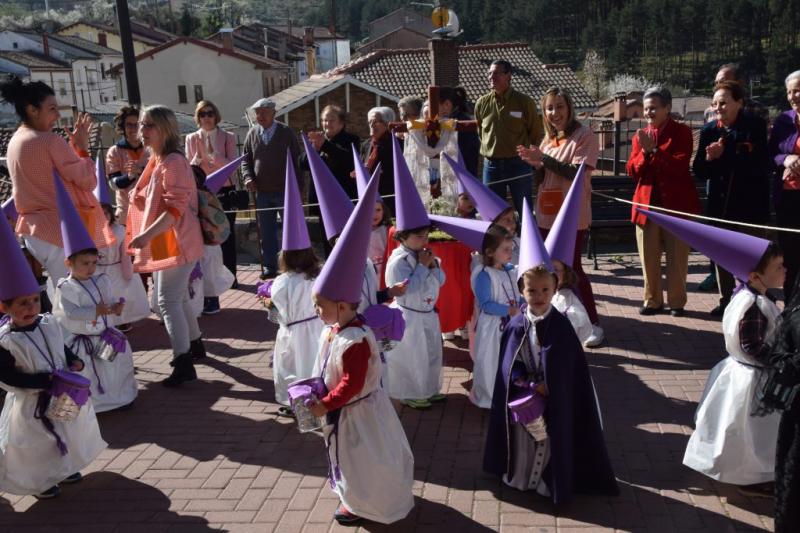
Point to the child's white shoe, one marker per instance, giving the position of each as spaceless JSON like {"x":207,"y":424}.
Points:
{"x":448,"y":336}
{"x":596,"y":338}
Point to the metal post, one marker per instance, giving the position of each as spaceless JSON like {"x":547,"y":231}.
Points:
{"x":128,"y":55}
{"x":617,"y":141}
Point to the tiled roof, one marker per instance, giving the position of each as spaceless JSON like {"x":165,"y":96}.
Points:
{"x":34,"y":60}
{"x":319,"y":32}
{"x":84,"y":44}
{"x":300,"y":93}
{"x":407,"y":72}
{"x":141,"y":32}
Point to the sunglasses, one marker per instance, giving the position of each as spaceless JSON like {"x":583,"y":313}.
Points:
{"x":209,"y":114}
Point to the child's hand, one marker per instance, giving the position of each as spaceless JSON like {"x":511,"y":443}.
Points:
{"x":266,"y":302}
{"x":76,"y":366}
{"x":541,"y":389}
{"x":117,"y":308}
{"x":102,"y":309}
{"x":513,"y":310}
{"x":318,"y":409}
{"x":398,"y":289}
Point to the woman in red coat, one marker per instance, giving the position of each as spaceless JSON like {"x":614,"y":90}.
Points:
{"x":659,"y":163}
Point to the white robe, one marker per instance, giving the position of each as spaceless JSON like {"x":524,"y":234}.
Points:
{"x":216,"y":276}
{"x":30,"y":461}
{"x":569,"y":305}
{"x":728,"y":443}
{"x":369,"y":296}
{"x":415,"y":364}
{"x":295,"y":345}
{"x":374,"y":457}
{"x":488,"y":333}
{"x":136,"y":305}
{"x":75,"y":309}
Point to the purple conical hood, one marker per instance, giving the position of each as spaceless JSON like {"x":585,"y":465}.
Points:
{"x":295,"y":231}
{"x":342,"y":275}
{"x":488,"y":204}
{"x":73,"y":232}
{"x":16,"y":277}
{"x":219,"y":177}
{"x":410,"y":211}
{"x":101,"y":189}
{"x":738,"y":253}
{"x":467,"y":230}
{"x":532,"y":252}
{"x":10,"y":209}
{"x":334,"y":204}
{"x":362,"y":174}
{"x":560,"y":241}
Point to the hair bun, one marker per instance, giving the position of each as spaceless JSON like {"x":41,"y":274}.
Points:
{"x":12,"y":90}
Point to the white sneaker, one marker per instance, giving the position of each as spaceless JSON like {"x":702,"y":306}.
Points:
{"x":463,"y":333}
{"x":596,"y":338}
{"x":448,"y":336}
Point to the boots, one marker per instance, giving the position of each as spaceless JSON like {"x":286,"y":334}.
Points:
{"x":197,"y":349}
{"x":183,"y":370}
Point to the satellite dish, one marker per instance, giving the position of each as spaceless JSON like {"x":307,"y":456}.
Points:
{"x":453,"y":26}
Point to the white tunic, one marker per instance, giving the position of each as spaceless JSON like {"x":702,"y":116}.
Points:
{"x":136,"y":305}
{"x":74,"y":307}
{"x":374,"y":458}
{"x":297,"y":340}
{"x":30,"y":461}
{"x":415,"y":364}
{"x":728,"y":443}
{"x":488,"y":333}
{"x":369,"y":287}
{"x":216,"y":276}
{"x":569,"y":305}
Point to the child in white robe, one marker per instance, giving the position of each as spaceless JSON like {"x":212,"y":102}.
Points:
{"x":83,"y":302}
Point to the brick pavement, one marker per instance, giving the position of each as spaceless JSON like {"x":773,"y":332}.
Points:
{"x":214,"y":456}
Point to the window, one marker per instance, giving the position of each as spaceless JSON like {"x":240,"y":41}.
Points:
{"x":198,"y":93}
{"x":15,"y":45}
{"x":182,"y":94}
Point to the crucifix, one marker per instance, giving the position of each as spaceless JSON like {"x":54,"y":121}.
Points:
{"x":437,"y":132}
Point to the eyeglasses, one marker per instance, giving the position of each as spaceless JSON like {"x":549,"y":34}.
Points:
{"x":131,"y":124}
{"x":146,"y":125}
{"x":209,"y":114}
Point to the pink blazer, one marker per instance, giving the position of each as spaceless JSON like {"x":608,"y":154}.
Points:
{"x":224,"y":151}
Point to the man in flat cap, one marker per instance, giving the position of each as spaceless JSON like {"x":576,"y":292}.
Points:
{"x":264,"y":169}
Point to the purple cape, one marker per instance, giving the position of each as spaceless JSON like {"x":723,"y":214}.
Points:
{"x":579,"y":460}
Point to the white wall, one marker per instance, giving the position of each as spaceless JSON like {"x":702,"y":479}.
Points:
{"x":232,"y":84}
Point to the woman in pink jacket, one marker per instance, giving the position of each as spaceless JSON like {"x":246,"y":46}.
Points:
{"x":163,"y":234}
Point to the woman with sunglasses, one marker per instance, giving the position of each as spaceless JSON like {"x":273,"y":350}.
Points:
{"x":126,"y":159}
{"x":211,"y":148}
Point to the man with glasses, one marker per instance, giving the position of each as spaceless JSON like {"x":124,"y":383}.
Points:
{"x":506,"y":119}
{"x":264,"y":170}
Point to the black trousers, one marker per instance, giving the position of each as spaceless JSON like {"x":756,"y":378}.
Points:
{"x":229,"y":246}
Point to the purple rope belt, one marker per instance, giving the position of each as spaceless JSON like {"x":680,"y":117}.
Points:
{"x":334,"y":472}
{"x":38,"y":413}
{"x":309,"y":319}
{"x":88,"y":346}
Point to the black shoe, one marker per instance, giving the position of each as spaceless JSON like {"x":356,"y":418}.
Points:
{"x":197,"y":349}
{"x":235,"y":285}
{"x":345,"y":517}
{"x":648,"y":311}
{"x":677,"y":312}
{"x":182,"y":371}
{"x":720,"y":309}
{"x":268,"y":273}
{"x":74,"y":478}
{"x":286,"y":411}
{"x":211,"y":305}
{"x":52,"y":492}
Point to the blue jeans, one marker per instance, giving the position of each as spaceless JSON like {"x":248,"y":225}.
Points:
{"x":501,"y":169}
{"x":268,"y":222}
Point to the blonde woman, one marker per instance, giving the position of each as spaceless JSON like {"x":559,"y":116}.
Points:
{"x":164,"y":232}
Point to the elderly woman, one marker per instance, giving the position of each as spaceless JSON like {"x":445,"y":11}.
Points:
{"x":164,"y":233}
{"x":566,"y":144}
{"x":34,"y":154}
{"x":784,"y":149}
{"x":126,"y":159}
{"x":211,"y":148}
{"x":378,"y":149}
{"x":732,"y":157}
{"x":659,"y":164}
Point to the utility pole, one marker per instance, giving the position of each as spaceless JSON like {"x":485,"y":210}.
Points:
{"x":128,"y":55}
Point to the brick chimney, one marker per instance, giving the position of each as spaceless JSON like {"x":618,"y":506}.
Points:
{"x":444,"y":62}
{"x":227,"y":38}
{"x":102,"y":39}
{"x":45,"y":45}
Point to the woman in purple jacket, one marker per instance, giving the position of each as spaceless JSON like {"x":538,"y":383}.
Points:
{"x":784,"y":149}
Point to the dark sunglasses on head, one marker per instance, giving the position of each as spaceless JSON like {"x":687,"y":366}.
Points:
{"x":206,"y":114}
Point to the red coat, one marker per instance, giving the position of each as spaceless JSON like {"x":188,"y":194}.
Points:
{"x":667,"y":169}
